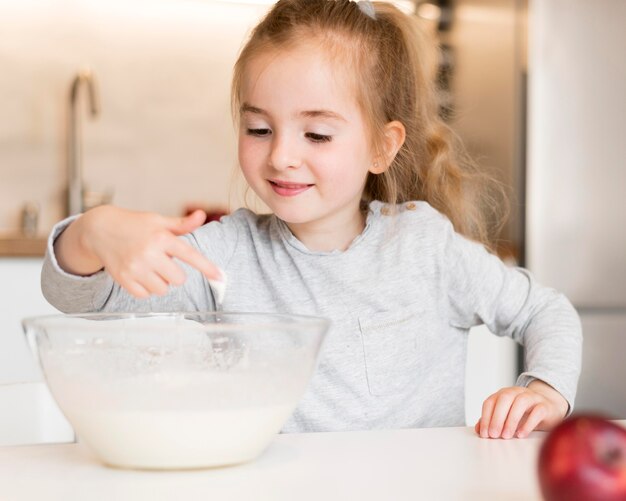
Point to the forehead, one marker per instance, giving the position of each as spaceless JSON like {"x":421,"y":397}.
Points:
{"x":302,"y":77}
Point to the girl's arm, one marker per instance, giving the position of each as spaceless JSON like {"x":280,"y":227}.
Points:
{"x":510,"y":302}
{"x":136,"y":248}
{"x":141,"y":252}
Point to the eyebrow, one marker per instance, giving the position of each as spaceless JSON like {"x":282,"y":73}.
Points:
{"x":247,"y":108}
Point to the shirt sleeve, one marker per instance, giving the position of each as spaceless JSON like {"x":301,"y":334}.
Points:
{"x":99,"y":293}
{"x":510,"y":302}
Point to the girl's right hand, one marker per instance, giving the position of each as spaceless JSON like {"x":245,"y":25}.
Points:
{"x":136,"y":248}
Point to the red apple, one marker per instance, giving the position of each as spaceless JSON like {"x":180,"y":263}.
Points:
{"x":584,"y":459}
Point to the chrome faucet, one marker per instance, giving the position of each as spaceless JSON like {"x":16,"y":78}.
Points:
{"x":75,"y":184}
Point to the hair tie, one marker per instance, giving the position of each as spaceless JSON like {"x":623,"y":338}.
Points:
{"x":367,"y":8}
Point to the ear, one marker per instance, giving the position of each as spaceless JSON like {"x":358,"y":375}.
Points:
{"x":394,"y":135}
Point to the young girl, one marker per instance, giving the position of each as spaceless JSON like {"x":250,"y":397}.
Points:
{"x":375,"y":224}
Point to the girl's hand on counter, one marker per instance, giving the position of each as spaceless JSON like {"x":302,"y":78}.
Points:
{"x":135,"y":248}
{"x":516,"y":411}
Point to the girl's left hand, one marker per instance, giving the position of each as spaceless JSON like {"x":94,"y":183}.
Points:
{"x":516,"y":411}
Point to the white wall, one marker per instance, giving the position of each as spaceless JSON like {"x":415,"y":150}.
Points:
{"x":165,"y":135}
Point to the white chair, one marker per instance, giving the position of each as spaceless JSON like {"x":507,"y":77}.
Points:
{"x":491,"y":365}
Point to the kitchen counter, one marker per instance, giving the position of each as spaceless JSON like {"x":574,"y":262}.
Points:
{"x":431,"y":464}
{"x":15,"y":245}
{"x":20,"y":246}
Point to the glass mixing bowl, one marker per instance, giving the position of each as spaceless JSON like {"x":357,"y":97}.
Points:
{"x":176,"y":390}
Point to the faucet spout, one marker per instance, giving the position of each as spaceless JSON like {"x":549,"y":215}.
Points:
{"x":75,"y":185}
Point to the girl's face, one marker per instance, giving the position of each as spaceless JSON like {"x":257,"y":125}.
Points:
{"x":303,"y":142}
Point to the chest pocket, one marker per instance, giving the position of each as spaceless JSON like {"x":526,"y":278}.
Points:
{"x":394,"y":351}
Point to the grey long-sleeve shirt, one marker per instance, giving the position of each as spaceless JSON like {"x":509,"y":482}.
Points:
{"x":401,"y":300}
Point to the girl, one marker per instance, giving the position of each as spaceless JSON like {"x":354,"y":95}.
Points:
{"x":375,"y":224}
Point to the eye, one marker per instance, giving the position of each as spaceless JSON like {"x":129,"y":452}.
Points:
{"x":318,"y":138}
{"x":258,"y":132}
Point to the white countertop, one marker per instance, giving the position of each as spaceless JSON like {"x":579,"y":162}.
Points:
{"x":430,"y":464}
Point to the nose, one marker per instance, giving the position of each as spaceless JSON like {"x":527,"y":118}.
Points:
{"x":285,"y":153}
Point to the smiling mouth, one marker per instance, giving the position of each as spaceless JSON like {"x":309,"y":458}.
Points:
{"x":288,"y":189}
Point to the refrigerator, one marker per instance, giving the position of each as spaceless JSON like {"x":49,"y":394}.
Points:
{"x":576,"y":179}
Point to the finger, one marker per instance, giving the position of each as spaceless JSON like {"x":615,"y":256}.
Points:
{"x":153,"y":283}
{"x":169,"y":271}
{"x":500,"y":413}
{"x":477,"y":427}
{"x":536,"y":415}
{"x":522,"y":403}
{"x":184,"y":225}
{"x":127,"y":281}
{"x":135,"y":289}
{"x":182,"y":250}
{"x":485,"y":416}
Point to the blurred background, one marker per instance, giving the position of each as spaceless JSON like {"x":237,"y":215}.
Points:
{"x":127,"y":102}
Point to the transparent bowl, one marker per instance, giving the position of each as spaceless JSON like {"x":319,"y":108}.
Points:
{"x":176,"y":390}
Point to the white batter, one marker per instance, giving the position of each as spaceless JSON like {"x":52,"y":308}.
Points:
{"x":178,"y":439}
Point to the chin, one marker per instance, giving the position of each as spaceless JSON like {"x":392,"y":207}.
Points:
{"x":292,"y":217}
{"x":288,"y":212}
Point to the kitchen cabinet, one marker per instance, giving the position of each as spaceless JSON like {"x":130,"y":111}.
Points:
{"x":17,"y":245}
{"x":28,"y":413}
{"x":20,"y":296}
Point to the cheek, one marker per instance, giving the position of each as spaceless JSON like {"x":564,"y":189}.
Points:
{"x":346,"y":167}
{"x":249,"y":153}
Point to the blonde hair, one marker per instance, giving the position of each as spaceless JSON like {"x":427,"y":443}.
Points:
{"x":394,"y":65}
